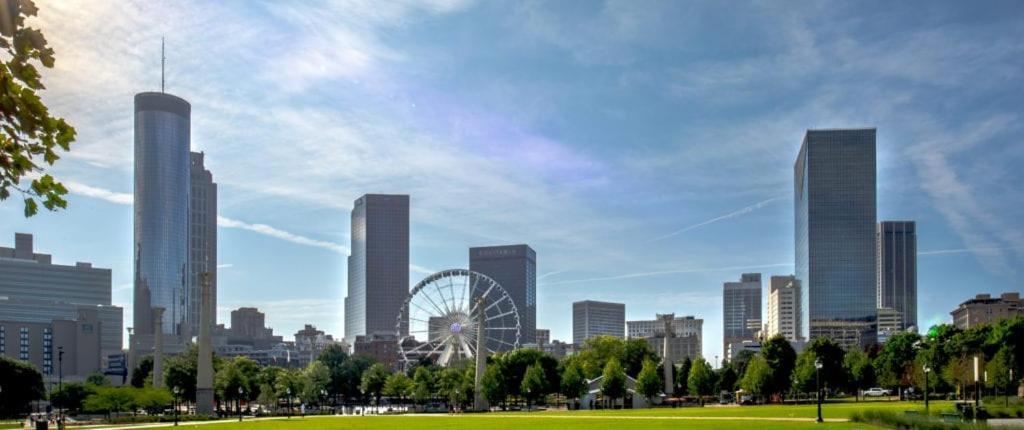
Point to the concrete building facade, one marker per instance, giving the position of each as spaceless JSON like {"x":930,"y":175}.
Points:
{"x":835,"y":217}
{"x":784,"y":308}
{"x":378,"y":267}
{"x":985,"y":309}
{"x":514,"y":267}
{"x":592,"y":318}
{"x":202,"y":237}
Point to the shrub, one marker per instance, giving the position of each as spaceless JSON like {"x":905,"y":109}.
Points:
{"x":893,"y":420}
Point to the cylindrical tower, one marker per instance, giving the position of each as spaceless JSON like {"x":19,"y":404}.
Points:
{"x":162,"y":137}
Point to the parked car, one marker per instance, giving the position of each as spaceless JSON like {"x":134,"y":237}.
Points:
{"x":877,"y":392}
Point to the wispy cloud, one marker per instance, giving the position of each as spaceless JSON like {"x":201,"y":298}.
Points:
{"x":729,"y":215}
{"x":968,"y":250}
{"x":99,"y":193}
{"x":669,"y":272}
{"x":281,"y":234}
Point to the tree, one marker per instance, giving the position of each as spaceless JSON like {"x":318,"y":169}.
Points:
{"x":999,"y":370}
{"x":316,"y":378}
{"x":152,"y":400}
{"x":334,"y":357}
{"x":804,"y":375}
{"x":97,"y":378}
{"x":180,"y":371}
{"x":895,"y":361}
{"x":781,"y":359}
{"x":29,"y":135}
{"x":701,"y":380}
{"x":859,"y":371}
{"x":493,"y":384}
{"x":649,"y":382}
{"x":451,"y":385}
{"x":231,"y":378}
{"x":109,"y":400}
{"x":289,"y":384}
{"x":422,"y":384}
{"x":739,"y":362}
{"x":533,"y":386}
{"x":71,"y":395}
{"x":142,"y":372}
{"x":727,"y":378}
{"x":398,"y":386}
{"x":683,"y":372}
{"x":22,"y":383}
{"x":267,"y":381}
{"x":758,"y":377}
{"x":635,"y":352}
{"x":351,"y":373}
{"x":613,"y":383}
{"x":373,"y":381}
{"x":830,"y":354}
{"x":596,"y":353}
{"x":574,"y":385}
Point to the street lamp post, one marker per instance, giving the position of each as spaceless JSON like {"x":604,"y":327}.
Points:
{"x":176,"y":390}
{"x":60,"y":383}
{"x":288,"y":391}
{"x":926,"y":370}
{"x":817,"y":385}
{"x":977,"y":387}
{"x":239,"y":403}
{"x":323,"y":399}
{"x":1011,"y":384}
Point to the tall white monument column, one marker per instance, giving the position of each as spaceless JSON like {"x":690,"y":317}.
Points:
{"x":668,"y":362}
{"x":479,"y":400}
{"x":204,"y":371}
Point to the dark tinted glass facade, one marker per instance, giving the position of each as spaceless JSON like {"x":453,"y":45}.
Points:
{"x":162,"y":128}
{"x":515,"y":269}
{"x":897,"y":269}
{"x":835,"y":212}
{"x":378,"y":268}
{"x":741,"y":310}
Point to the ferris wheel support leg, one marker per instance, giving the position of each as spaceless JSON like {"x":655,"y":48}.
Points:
{"x":479,"y":401}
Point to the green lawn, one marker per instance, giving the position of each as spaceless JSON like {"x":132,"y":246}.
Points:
{"x":829,"y":410}
{"x":521,"y":422}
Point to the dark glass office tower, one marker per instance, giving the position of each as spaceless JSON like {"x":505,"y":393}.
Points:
{"x":513,"y":267}
{"x":202,"y":241}
{"x":897,"y":269}
{"x":741,"y":310}
{"x":378,"y":269}
{"x":162,"y":128}
{"x":835,"y":233}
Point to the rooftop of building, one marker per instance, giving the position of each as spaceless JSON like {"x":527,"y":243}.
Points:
{"x":24,"y":251}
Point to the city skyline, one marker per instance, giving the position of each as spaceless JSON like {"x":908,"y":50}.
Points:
{"x":628,"y":193}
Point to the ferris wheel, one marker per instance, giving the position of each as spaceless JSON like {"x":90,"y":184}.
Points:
{"x":440,"y":319}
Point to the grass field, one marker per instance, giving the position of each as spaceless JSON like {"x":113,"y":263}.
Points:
{"x":711,"y":417}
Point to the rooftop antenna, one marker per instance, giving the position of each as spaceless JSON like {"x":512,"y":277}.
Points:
{"x":163,"y":59}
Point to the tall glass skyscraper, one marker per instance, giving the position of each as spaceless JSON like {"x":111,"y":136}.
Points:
{"x":897,"y":269}
{"x":834,"y":184}
{"x":514,"y":267}
{"x":202,"y":240}
{"x":162,"y":136}
{"x":378,"y":268}
{"x":741,"y":310}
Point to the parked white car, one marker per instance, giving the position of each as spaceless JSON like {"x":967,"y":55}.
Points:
{"x":877,"y":392}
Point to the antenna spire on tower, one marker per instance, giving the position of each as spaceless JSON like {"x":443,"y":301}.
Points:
{"x":162,"y":61}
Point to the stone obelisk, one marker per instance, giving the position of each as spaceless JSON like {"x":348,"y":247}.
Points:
{"x":479,"y":400}
{"x":204,"y":370}
{"x":158,"y":347}
{"x":668,"y":362}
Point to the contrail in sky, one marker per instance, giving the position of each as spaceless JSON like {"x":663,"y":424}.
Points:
{"x":729,"y":215}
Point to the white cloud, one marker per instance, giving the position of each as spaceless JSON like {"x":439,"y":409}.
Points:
{"x":281,"y":234}
{"x":729,"y":215}
{"x":668,"y":272}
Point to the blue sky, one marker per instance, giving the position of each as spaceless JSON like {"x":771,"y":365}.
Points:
{"x":644,"y":149}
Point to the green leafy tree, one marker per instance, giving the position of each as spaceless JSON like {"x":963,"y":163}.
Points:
{"x":152,"y":400}
{"x":999,"y":370}
{"x":682,"y":373}
{"x":398,"y":386}
{"x":22,"y":383}
{"x":71,"y":395}
{"x":701,"y":380}
{"x":493,"y":384}
{"x":896,"y":360}
{"x":613,"y":383}
{"x":830,"y":354}
{"x":290,"y":384}
{"x":97,"y":378}
{"x":959,"y":373}
{"x":804,"y":374}
{"x":758,"y":377}
{"x":335,"y":357}
{"x":533,"y":386}
{"x":316,"y":378}
{"x":596,"y":353}
{"x":111,"y":400}
{"x":859,"y":370}
{"x":451,"y":384}
{"x":373,"y":381}
{"x":267,"y":381}
{"x":180,"y":371}
{"x":739,"y":362}
{"x":422,"y":384}
{"x":574,"y":385}
{"x":30,"y":136}
{"x":727,"y":378}
{"x":781,"y":359}
{"x":649,"y":382}
{"x":635,"y":353}
{"x":142,"y":372}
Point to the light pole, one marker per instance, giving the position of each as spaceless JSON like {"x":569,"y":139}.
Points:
{"x":288,"y":391}
{"x":60,"y":383}
{"x":239,"y":403}
{"x":323,"y":399}
{"x":176,"y":390}
{"x":1011,"y":384}
{"x":977,"y":387}
{"x":926,"y":370}
{"x":817,"y":385}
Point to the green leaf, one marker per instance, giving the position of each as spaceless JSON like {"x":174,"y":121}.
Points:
{"x":30,"y":207}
